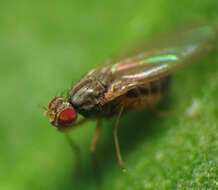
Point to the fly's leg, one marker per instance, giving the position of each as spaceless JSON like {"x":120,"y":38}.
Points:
{"x":72,"y":144}
{"x":96,"y":136}
{"x":74,"y":147}
{"x":92,"y":152}
{"x":76,"y":150}
{"x":115,"y":134}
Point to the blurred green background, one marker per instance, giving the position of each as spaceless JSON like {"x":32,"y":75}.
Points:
{"x":47,"y":45}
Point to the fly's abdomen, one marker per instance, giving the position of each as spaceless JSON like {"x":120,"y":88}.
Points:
{"x":160,"y":86}
{"x":146,"y":95}
{"x":156,"y":87}
{"x":143,"y":96}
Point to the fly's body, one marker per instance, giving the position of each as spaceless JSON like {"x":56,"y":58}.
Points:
{"x":88,"y":97}
{"x":132,"y":82}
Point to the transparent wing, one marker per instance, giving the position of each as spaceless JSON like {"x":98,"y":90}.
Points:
{"x":164,"y":56}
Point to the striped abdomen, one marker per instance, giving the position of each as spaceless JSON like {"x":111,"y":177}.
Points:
{"x":142,"y":96}
{"x":159,"y":86}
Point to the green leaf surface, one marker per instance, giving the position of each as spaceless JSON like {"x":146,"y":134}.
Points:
{"x":47,"y":45}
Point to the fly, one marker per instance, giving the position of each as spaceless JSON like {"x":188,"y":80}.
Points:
{"x":133,"y":82}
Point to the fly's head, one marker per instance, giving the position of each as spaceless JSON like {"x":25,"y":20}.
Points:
{"x":61,"y":113}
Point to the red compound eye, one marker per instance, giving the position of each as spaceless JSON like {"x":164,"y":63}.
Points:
{"x":67,"y":117}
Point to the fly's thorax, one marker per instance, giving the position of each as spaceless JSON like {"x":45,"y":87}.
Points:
{"x":86,"y":95}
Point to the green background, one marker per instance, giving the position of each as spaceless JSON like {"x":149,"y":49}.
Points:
{"x":47,"y":45}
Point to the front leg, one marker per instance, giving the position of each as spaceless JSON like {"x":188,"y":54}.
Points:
{"x":92,"y":152}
